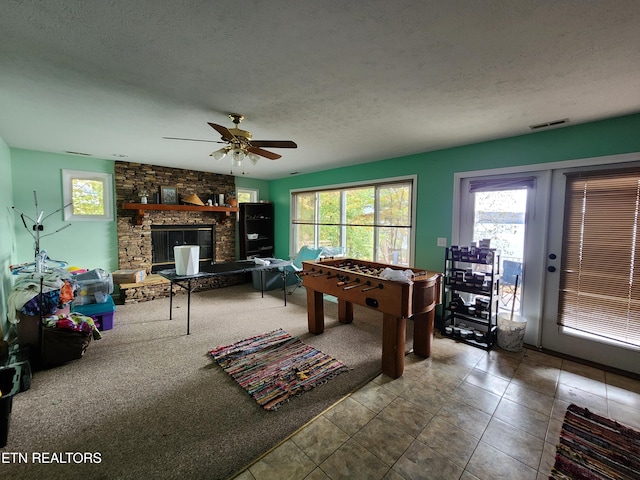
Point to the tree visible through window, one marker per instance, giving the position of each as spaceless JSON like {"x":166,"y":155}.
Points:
{"x":368,"y":222}
{"x":87,"y":195}
{"x":247,"y":195}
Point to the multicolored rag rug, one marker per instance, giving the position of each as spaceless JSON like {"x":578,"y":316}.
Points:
{"x":594,"y":447}
{"x":274,"y":366}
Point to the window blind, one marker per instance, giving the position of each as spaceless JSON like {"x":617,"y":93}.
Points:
{"x":600,"y":275}
{"x":484,"y":185}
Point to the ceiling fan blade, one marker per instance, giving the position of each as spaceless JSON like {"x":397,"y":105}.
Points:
{"x":264,"y":153}
{"x":192,"y":139}
{"x":274,"y":143}
{"x":224,"y":131}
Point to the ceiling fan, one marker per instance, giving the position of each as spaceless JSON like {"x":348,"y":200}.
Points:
{"x":240,"y":143}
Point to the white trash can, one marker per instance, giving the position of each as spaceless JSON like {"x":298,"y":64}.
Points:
{"x":187,"y":259}
{"x":511,"y":330}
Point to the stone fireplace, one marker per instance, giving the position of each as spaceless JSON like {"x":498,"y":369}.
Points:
{"x":135,"y":235}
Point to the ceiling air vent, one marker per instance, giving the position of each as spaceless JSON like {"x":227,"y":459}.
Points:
{"x":553,"y":123}
{"x":78,"y":153}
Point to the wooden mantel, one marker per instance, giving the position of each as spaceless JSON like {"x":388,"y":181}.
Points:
{"x":141,"y":207}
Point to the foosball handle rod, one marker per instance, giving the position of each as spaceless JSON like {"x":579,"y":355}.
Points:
{"x":380,"y":286}
{"x":357,"y":284}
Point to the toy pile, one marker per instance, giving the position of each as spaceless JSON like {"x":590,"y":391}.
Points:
{"x":76,"y":322}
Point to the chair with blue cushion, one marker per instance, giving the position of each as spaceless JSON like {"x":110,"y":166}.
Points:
{"x":304,"y":254}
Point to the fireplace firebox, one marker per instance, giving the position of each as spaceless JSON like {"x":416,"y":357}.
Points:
{"x":165,"y":237}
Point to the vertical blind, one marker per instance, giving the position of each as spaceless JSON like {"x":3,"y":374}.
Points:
{"x":600,"y":277}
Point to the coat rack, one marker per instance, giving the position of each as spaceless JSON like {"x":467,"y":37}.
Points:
{"x":36,"y":232}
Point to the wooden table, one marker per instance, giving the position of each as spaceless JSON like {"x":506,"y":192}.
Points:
{"x":358,"y":282}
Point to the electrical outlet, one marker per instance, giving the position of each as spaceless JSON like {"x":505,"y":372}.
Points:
{"x":442,"y":242}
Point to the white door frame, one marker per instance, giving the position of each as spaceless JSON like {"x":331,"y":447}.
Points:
{"x":534,"y":246}
{"x":537,"y":277}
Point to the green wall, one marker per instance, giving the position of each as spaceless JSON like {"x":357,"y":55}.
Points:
{"x":7,"y":240}
{"x":95,"y":245}
{"x":83,"y":244}
{"x":435,"y":171}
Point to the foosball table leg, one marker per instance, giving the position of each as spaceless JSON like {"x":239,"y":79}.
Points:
{"x":315,"y":311}
{"x":345,"y":311}
{"x":393,"y":340}
{"x":423,"y":333}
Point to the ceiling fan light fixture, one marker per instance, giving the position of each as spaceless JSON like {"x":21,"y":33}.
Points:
{"x":241,"y":145}
{"x":253,"y":157}
{"x":238,"y":156}
{"x":220,"y":154}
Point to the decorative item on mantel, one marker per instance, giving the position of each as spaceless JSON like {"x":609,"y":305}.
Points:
{"x":192,"y":199}
{"x":143,"y":194}
{"x":169,"y":195}
{"x":141,"y":208}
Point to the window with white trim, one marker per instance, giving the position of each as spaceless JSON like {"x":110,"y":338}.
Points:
{"x":87,"y":196}
{"x":366,"y":221}
{"x":247,"y":195}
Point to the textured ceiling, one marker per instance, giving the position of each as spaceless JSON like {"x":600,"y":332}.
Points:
{"x":348,"y":81}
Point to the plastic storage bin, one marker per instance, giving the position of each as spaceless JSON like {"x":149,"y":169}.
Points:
{"x":271,"y":280}
{"x":102,"y":313}
{"x":93,"y":287}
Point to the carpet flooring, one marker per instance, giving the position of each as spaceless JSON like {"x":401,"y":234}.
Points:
{"x":593,"y":447}
{"x":150,"y":401}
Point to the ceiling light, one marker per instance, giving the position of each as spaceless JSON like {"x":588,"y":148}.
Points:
{"x":220,"y":154}
{"x":238,"y":153}
{"x":253,"y":157}
{"x":238,"y":156}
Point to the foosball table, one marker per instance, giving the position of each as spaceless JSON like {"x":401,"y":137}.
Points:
{"x":359,"y":282}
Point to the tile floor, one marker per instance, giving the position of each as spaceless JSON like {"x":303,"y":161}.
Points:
{"x":462,"y":414}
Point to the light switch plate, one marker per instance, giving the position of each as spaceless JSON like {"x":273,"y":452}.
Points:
{"x":442,"y":242}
